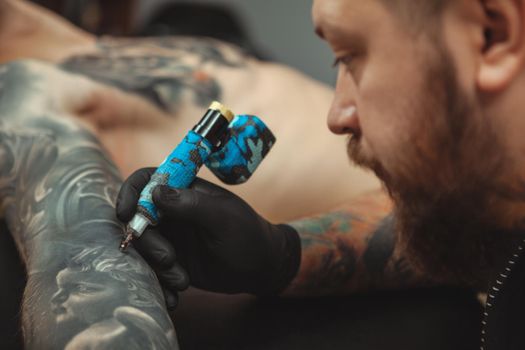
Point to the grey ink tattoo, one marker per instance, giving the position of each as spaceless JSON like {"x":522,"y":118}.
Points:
{"x":162,"y":70}
{"x":57,"y":188}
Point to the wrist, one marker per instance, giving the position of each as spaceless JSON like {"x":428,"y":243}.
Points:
{"x":286,"y":261}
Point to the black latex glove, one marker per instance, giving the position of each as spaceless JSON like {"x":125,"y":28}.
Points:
{"x":219,"y":240}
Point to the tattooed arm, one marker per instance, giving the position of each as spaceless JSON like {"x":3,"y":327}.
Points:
{"x":57,"y":190}
{"x":353,"y":249}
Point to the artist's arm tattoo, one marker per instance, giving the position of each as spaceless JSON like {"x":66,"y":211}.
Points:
{"x":353,"y":249}
{"x":57,"y":190}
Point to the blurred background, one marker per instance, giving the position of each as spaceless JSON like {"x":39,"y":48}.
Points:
{"x":277,"y":30}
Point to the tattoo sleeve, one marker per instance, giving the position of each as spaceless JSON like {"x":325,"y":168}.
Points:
{"x":352,"y":250}
{"x":57,"y":190}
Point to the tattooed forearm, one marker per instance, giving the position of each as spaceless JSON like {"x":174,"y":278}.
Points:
{"x":57,"y":190}
{"x":163,"y":70}
{"x":352,"y":250}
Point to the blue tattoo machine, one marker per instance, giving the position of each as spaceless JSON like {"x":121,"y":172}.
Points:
{"x":232,"y":147}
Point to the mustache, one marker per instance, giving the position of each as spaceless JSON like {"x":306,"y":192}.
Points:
{"x":357,"y":155}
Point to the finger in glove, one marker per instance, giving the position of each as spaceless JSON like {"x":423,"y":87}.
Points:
{"x":129,"y":193}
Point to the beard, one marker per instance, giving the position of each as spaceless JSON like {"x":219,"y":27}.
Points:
{"x":445,"y":182}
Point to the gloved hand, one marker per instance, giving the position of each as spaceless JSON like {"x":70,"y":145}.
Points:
{"x":220,"y":242}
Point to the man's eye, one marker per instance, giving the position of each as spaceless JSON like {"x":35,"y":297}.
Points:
{"x":345,"y":60}
{"x":80,"y":288}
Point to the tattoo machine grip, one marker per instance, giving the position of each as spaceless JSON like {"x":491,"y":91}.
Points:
{"x":232,"y":148}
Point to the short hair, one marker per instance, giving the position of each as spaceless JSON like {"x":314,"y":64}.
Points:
{"x":418,"y":14}
{"x":421,"y":7}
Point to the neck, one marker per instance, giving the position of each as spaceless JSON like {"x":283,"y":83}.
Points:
{"x":28,"y":31}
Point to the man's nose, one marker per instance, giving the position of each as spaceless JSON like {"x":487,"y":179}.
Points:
{"x":343,"y":119}
{"x":343,"y":114}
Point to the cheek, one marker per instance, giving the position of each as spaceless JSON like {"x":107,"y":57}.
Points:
{"x":76,"y":305}
{"x":385,"y":121}
{"x":93,"y":306}
{"x":388,"y":117}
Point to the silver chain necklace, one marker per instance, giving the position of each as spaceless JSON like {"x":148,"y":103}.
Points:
{"x":495,"y":289}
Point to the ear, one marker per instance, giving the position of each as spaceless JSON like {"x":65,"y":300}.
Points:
{"x":503,"y":52}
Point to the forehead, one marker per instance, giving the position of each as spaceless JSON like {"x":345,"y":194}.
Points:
{"x":337,"y":15}
{"x":68,"y":276}
{"x":74,"y":276}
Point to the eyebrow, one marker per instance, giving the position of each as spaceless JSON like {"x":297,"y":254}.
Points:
{"x":337,"y":30}
{"x":351,"y":38}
